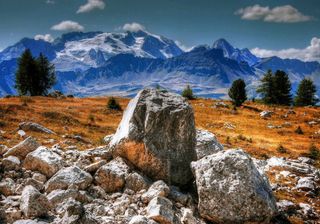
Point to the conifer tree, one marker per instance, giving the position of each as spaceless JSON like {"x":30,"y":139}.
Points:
{"x":46,"y":75}
{"x":237,"y":92}
{"x":188,"y":93}
{"x":266,"y":88}
{"x":26,"y":73}
{"x":282,"y":88}
{"x":306,"y":93}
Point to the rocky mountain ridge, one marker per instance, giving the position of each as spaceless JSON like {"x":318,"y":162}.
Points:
{"x":97,"y":63}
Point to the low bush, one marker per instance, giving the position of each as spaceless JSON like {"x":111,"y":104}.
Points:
{"x":113,"y":104}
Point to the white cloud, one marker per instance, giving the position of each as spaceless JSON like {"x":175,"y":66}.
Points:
{"x":183,"y":47}
{"x":50,"y":2}
{"x":133,"y":27}
{"x":45,"y":37}
{"x":280,"y":14}
{"x":310,"y":53}
{"x":68,"y":25}
{"x":91,"y":5}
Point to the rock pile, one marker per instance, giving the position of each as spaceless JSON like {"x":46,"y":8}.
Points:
{"x":138,"y":177}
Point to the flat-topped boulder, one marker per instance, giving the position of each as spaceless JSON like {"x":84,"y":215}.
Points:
{"x":157,"y":134}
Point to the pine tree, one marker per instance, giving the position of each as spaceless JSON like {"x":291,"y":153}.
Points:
{"x":282,"y":88}
{"x":34,"y":76}
{"x":237,"y":92}
{"x":266,"y":89}
{"x":188,"y":93}
{"x":26,"y":73}
{"x":113,"y":104}
{"x":306,"y":93}
{"x":46,"y":75}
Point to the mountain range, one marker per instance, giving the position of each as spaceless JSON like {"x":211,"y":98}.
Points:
{"x":97,"y":63}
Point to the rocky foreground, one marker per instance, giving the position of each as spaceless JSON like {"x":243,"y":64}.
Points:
{"x":157,"y":168}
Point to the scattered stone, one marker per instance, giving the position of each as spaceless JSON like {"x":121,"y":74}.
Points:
{"x":306,"y":184}
{"x":7,"y":187}
{"x":44,"y":161}
{"x":67,"y":176}
{"x":158,"y":188}
{"x":21,"y":133}
{"x":169,"y":117}
{"x":160,"y":210}
{"x":111,"y":177}
{"x":137,"y":182}
{"x":220,"y":105}
{"x":266,"y":114}
{"x":287,"y":206}
{"x":23,"y":148}
{"x":33,"y":203}
{"x":11,"y":163}
{"x":3,"y":149}
{"x":92,"y":168}
{"x":231,"y":189}
{"x":31,"y":126}
{"x":207,"y":144}
{"x":39,"y":177}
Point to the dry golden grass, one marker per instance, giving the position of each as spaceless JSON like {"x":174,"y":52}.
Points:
{"x":90,"y":118}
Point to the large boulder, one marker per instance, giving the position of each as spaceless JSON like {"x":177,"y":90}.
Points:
{"x":111,"y":177}
{"x":23,"y":148}
{"x":44,"y":161}
{"x":231,"y":189}
{"x":157,"y":134}
{"x":69,"y":176}
{"x":207,"y":144}
{"x":33,"y":204}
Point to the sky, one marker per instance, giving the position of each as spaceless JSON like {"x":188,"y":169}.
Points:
{"x":289,"y":29}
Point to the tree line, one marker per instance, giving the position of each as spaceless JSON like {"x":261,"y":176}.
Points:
{"x":34,"y":76}
{"x":275,"y":88}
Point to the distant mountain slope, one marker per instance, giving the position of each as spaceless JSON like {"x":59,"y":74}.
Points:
{"x":97,"y":63}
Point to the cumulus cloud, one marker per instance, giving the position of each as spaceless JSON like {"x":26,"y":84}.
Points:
{"x":310,"y":53}
{"x":133,"y":27}
{"x":45,"y":37}
{"x":280,"y":14}
{"x":68,"y":25}
{"x":91,"y":5}
{"x":50,"y":2}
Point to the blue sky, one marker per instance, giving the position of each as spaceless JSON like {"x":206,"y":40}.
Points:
{"x":266,"y":26}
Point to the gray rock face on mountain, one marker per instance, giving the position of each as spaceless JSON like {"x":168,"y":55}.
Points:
{"x":207,"y":144}
{"x":231,"y":189}
{"x":157,"y":134}
{"x":23,"y":148}
{"x":44,"y":161}
{"x":67,"y":176}
{"x":33,"y":204}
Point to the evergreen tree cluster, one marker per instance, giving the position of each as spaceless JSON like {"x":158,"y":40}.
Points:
{"x":34,"y":76}
{"x":276,"y":88}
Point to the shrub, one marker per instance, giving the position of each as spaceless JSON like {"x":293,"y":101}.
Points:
{"x":113,"y":104}
{"x":314,"y":152}
{"x":91,"y":118}
{"x":281,"y":149}
{"x":188,"y":93}
{"x":299,"y":131}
